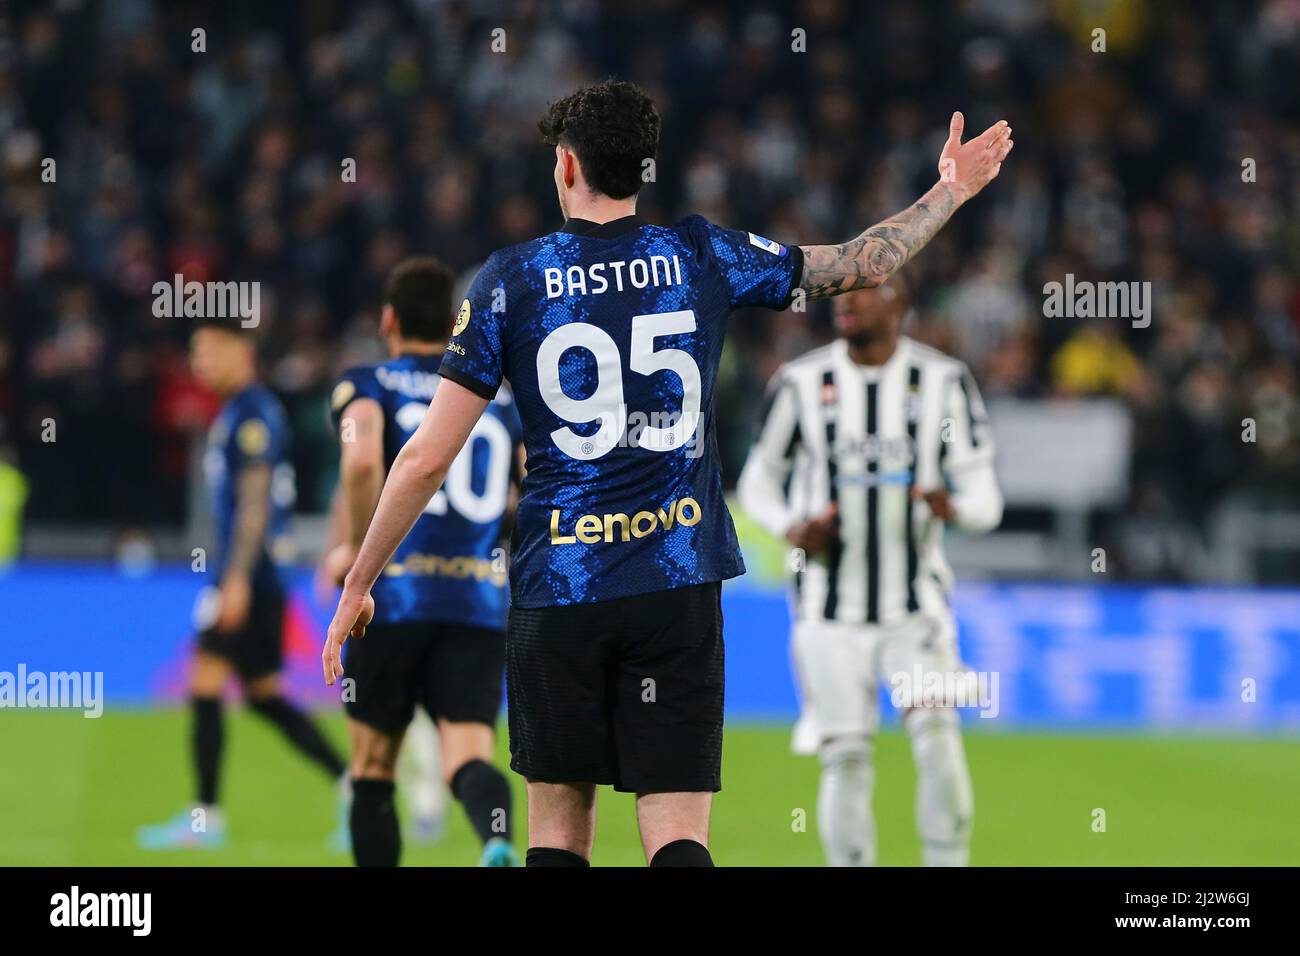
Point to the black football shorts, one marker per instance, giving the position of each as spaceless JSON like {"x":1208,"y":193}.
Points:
{"x":626,"y":692}
{"x":256,"y":649}
{"x":453,"y":671}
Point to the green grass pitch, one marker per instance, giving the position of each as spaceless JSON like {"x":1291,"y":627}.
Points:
{"x":72,"y":792}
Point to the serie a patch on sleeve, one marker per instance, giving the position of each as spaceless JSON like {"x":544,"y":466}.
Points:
{"x":767,"y":245}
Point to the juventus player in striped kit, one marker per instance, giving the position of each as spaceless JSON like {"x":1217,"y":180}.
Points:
{"x":870,"y":433}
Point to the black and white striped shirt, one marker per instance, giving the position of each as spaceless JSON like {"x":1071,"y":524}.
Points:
{"x":861,"y":438}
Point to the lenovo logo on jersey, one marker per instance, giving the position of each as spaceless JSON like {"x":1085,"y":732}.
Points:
{"x":611,"y":528}
{"x":458,"y":567}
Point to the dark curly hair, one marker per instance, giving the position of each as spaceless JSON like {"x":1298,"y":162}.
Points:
{"x":612,"y":127}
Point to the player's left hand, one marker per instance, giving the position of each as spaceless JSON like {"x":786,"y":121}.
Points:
{"x":940,"y":503}
{"x":969,"y":167}
{"x":354,"y":612}
{"x":236,"y":599}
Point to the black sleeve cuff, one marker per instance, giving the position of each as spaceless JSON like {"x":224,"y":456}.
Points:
{"x":796,"y":276}
{"x":481,"y":389}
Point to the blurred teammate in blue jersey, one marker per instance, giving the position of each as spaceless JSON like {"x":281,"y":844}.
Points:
{"x":609,"y":331}
{"x":240,"y":617}
{"x":437,"y":639}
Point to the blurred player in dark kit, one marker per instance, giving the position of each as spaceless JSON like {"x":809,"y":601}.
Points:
{"x":240,"y":616}
{"x":437,"y":640}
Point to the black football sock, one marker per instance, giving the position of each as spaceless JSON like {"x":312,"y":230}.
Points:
{"x":484,"y":793}
{"x":302,"y":733}
{"x":206,"y":739}
{"x":549,"y":856}
{"x":682,"y":853}
{"x":376,"y":836}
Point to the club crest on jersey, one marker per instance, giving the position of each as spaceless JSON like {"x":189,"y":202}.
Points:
{"x":767,"y":245}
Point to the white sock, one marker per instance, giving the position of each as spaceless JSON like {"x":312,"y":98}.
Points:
{"x":419,"y":768}
{"x":844,"y":818}
{"x":945,"y":803}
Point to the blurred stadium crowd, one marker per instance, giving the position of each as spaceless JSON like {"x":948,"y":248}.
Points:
{"x":226,"y":165}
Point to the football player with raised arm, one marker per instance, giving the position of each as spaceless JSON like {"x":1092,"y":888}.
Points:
{"x":609,"y":331}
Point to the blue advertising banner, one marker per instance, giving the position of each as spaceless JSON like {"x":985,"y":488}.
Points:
{"x":1063,"y":656}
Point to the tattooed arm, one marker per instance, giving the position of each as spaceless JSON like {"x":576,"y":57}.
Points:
{"x":871,"y":258}
{"x":252,"y":516}
{"x":879,"y":252}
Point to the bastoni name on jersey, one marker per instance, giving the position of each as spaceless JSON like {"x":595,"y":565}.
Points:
{"x":602,"y":276}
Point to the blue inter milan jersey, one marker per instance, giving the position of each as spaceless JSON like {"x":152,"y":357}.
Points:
{"x":250,"y":430}
{"x":610,"y":337}
{"x":450,"y":567}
